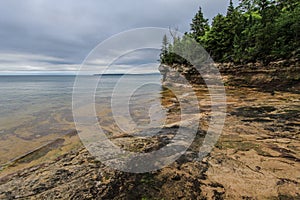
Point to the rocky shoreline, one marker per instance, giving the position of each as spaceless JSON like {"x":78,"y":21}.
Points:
{"x":282,"y":75}
{"x":276,"y":76}
{"x":256,"y":157}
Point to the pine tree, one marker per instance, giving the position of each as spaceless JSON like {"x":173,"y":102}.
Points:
{"x":256,"y":30}
{"x":230,"y":9}
{"x":164,"y":50}
{"x":199,"y":26}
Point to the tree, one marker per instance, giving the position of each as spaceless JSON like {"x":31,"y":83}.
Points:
{"x":164,"y":49}
{"x":254,"y":31}
{"x":230,"y":9}
{"x":220,"y":39}
{"x":199,"y":26}
{"x":287,"y":30}
{"x":216,"y":42}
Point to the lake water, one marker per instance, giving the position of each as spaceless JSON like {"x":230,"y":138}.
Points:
{"x":36,"y":109}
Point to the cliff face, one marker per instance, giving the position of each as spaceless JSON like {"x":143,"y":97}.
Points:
{"x":281,"y":75}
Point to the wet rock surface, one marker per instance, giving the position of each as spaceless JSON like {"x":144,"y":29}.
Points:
{"x":78,"y":175}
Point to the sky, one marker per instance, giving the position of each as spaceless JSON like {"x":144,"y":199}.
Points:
{"x":54,"y":37}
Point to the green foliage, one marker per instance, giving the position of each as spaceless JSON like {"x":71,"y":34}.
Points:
{"x":199,"y":26}
{"x":255,"y":30}
{"x":164,"y":50}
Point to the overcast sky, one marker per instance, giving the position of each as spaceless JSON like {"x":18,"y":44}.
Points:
{"x":55,"y":36}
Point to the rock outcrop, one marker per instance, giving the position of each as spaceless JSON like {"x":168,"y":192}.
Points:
{"x":281,"y":75}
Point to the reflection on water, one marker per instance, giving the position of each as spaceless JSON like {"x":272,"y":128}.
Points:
{"x":36,"y":109}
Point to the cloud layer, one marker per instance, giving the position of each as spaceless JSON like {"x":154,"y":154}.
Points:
{"x":46,"y":35}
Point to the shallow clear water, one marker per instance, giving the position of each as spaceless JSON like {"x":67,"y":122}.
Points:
{"x":35,"y":106}
{"x":21,"y":96}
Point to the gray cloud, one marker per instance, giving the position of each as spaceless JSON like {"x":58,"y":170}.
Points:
{"x":46,"y":35}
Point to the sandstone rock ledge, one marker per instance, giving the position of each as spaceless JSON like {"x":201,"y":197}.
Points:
{"x":276,"y":76}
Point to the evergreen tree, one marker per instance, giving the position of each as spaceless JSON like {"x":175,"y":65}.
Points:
{"x":216,"y":42}
{"x":256,"y":30}
{"x":220,"y":40}
{"x":199,"y":26}
{"x":230,"y":9}
{"x":164,"y":50}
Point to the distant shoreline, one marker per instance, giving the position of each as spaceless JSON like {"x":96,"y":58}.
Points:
{"x":74,"y":75}
{"x":147,"y":74}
